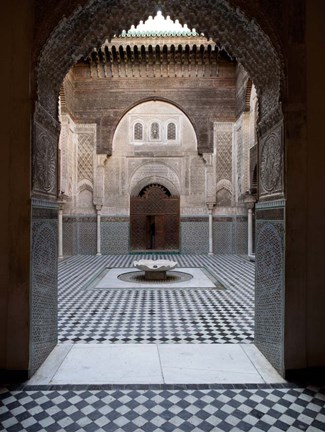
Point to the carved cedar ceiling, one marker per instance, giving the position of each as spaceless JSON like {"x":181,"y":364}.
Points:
{"x":87,"y":27}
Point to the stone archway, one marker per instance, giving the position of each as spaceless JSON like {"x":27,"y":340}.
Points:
{"x":74,"y":37}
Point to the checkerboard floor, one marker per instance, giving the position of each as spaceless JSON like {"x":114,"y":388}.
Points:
{"x":178,"y":410}
{"x":156,"y":315}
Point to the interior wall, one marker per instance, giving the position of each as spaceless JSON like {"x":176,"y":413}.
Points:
{"x":315,"y":249}
{"x":15,"y":216}
{"x":104,"y":101}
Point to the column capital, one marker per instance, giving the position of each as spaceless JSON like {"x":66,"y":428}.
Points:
{"x":101,"y":159}
{"x":208,"y":159}
{"x":99,"y":208}
{"x":249,"y":200}
{"x":210,"y":205}
{"x":61,"y":202}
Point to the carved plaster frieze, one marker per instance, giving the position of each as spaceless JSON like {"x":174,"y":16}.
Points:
{"x":154,"y":172}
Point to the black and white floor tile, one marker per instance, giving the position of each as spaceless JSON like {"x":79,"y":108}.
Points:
{"x":160,"y":316}
{"x":259,"y":409}
{"x":156,"y":315}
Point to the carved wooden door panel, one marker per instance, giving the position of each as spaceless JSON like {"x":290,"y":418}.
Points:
{"x":154,"y":220}
{"x":160,"y":231}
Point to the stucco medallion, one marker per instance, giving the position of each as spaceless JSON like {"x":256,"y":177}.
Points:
{"x":271,"y":165}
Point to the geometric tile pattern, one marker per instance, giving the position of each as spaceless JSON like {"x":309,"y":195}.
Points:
{"x":144,"y":315}
{"x":115,"y":237}
{"x":247,"y":409}
{"x":241,"y":237}
{"x":44,"y":284}
{"x":223,"y":237}
{"x":269,"y":298}
{"x":79,"y":236}
{"x":195,"y":237}
{"x":87,"y":231}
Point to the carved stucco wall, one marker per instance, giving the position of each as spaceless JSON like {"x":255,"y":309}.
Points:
{"x":105,"y":100}
{"x":136,"y":163}
{"x":76,"y":34}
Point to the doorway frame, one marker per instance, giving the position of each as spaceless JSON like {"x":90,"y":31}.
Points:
{"x":262,"y":60}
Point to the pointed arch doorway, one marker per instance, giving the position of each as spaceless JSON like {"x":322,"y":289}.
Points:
{"x":154,"y":220}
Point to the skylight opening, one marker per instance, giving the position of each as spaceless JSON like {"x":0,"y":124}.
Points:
{"x":159,"y":26}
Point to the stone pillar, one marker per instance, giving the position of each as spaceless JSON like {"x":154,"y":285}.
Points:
{"x":99,"y":196}
{"x":250,"y":232}
{"x":210,"y":192}
{"x":99,"y":214}
{"x":210,"y":209}
{"x":250,"y":202}
{"x":60,"y":228}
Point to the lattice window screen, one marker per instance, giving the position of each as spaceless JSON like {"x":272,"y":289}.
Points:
{"x":171,"y":131}
{"x":155,"y":133}
{"x":138,"y":132}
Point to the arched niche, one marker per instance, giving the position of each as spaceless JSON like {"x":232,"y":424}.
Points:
{"x":148,"y":113}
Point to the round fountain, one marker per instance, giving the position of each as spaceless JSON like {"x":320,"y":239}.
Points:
{"x":155,"y":270}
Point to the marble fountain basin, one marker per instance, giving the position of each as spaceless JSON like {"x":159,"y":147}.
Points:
{"x":155,"y":269}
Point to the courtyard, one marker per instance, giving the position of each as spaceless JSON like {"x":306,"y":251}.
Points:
{"x":109,"y":333}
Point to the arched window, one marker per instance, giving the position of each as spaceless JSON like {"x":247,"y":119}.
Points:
{"x":138,"y":132}
{"x":155,"y":133}
{"x":171,"y":131}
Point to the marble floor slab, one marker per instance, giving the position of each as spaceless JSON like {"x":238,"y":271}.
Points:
{"x":114,"y":365}
{"x":155,"y":364}
{"x":182,"y":364}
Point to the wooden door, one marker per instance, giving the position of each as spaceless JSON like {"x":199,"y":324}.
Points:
{"x":154,"y":220}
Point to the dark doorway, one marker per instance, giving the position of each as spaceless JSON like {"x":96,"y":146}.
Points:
{"x":155,"y":232}
{"x":154,"y":220}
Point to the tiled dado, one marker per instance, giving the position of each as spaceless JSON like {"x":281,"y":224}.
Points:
{"x":270,"y":268}
{"x":44,"y":281}
{"x":79,"y":234}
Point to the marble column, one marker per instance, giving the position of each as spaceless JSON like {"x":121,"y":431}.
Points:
{"x":99,"y":214}
{"x":250,"y":232}
{"x":210,"y":210}
{"x":250,"y":202}
{"x":60,"y":228}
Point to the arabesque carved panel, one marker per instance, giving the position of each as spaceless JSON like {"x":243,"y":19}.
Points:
{"x":271,"y":162}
